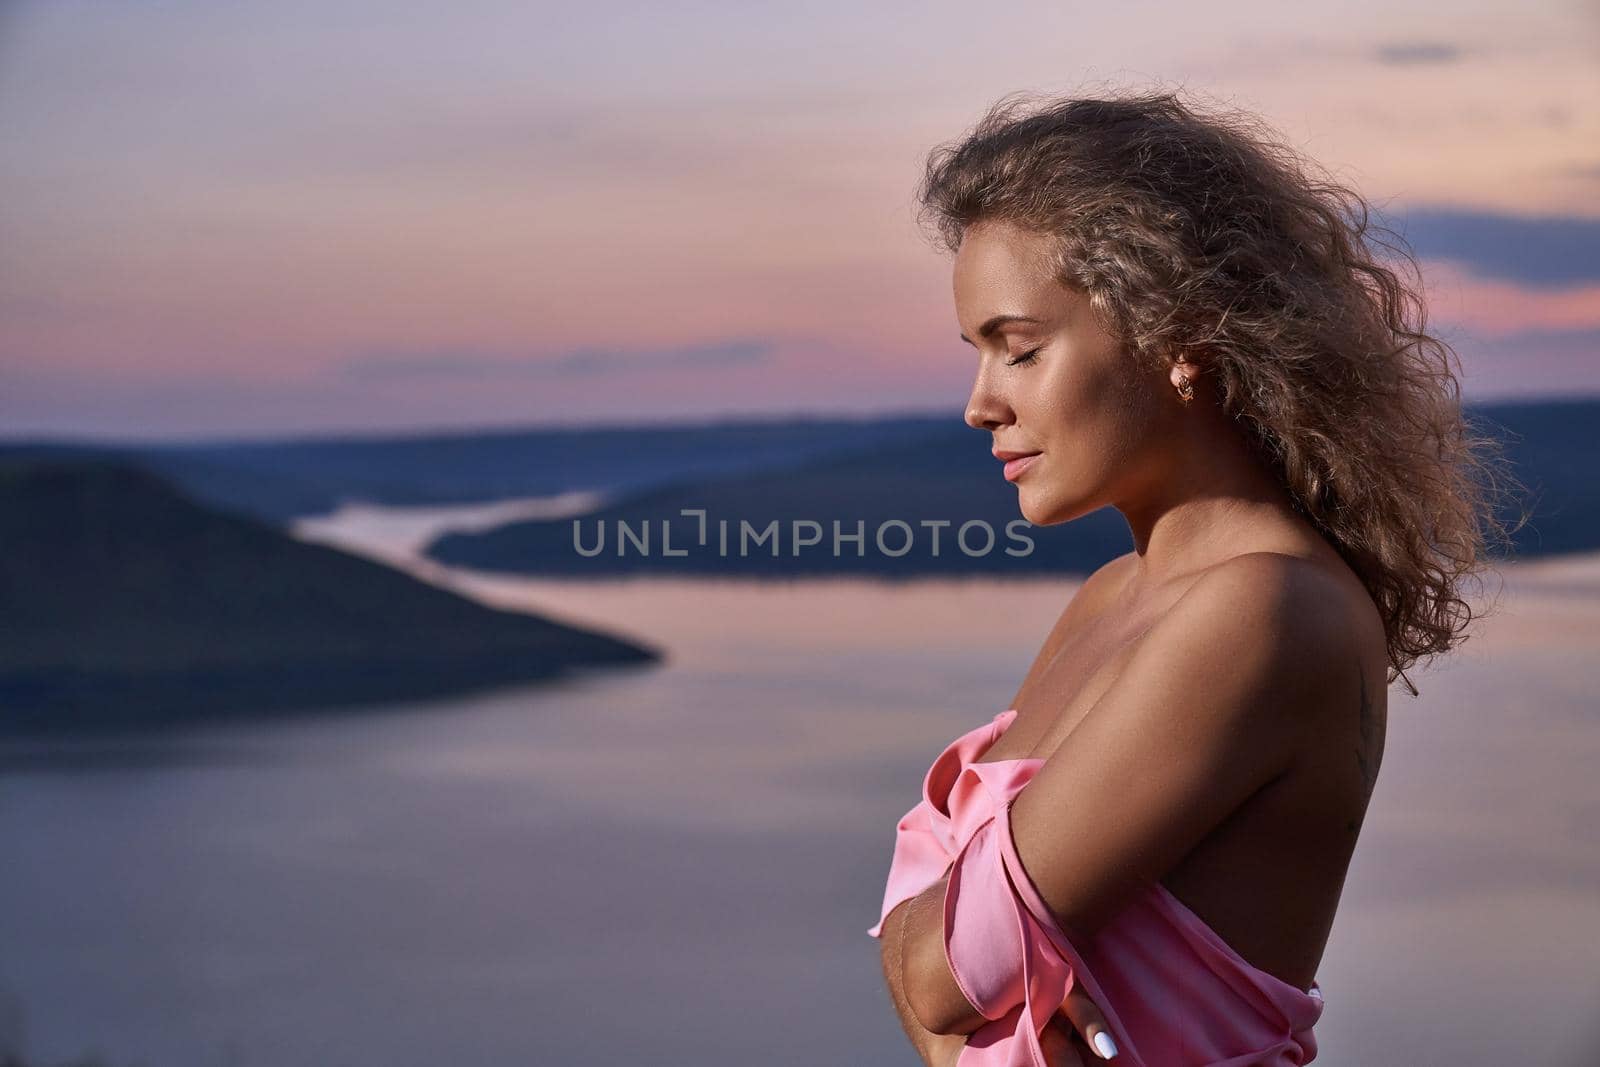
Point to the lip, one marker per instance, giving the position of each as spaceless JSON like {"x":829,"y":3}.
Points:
{"x":1016,"y":462}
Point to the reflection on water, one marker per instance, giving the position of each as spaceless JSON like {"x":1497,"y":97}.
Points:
{"x":679,"y":866}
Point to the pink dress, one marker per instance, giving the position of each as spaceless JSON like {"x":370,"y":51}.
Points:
{"x":1174,"y":994}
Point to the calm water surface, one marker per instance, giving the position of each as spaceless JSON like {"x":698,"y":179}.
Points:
{"x":678,"y":866}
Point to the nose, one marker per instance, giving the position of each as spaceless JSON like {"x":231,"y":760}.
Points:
{"x":986,"y":410}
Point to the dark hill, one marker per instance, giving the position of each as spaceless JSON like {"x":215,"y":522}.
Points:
{"x":126,"y":603}
{"x":945,"y":473}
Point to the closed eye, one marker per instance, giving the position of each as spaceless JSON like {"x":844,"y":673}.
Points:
{"x":1024,"y":359}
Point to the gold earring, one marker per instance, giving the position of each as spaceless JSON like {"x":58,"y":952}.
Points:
{"x":1185,"y":388}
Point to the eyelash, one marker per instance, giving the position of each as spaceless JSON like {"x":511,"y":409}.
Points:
{"x":1024,"y":359}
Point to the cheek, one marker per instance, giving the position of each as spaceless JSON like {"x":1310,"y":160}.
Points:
{"x":1080,"y":404}
{"x":1093,"y":425}
{"x":1091,"y":366}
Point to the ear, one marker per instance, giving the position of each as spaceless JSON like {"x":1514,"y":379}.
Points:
{"x":1182,"y":368}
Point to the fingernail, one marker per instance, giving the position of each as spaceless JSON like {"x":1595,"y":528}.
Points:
{"x":1104,"y":1045}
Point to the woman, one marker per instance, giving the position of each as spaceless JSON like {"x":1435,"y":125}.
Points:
{"x":1174,"y":317}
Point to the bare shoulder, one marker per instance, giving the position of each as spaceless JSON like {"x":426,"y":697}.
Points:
{"x":1306,"y":625}
{"x":1275,"y":584}
{"x":1301,"y":608}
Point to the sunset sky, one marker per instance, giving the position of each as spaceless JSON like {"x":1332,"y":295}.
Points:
{"x":254,"y":219}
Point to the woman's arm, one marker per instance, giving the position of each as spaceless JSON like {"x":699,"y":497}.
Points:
{"x":1205,"y":713}
{"x":1063,"y":1039}
{"x":936,"y":1050}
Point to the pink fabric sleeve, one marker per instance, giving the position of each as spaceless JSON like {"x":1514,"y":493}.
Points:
{"x":919,"y":861}
{"x":999,"y":952}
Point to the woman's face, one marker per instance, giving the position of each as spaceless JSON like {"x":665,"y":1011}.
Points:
{"x":1078,"y":401}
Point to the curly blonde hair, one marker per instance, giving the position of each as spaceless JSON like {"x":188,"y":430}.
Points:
{"x":1198,"y":231}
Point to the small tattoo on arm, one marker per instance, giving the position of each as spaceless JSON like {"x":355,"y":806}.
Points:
{"x":1368,"y":750}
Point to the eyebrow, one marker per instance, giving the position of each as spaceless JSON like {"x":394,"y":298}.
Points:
{"x":998,"y":321}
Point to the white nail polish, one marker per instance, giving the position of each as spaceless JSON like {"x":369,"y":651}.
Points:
{"x":1105,"y":1045}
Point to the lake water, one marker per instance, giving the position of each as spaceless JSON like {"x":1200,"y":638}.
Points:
{"x":678,"y":866}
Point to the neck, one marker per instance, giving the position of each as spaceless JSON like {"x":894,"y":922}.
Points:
{"x":1211,"y":497}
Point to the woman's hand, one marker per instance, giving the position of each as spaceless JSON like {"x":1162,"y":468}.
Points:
{"x":1062,"y":1045}
{"x":1068,"y":1039}
{"x":1076,"y":1029}
{"x":1062,"y":1048}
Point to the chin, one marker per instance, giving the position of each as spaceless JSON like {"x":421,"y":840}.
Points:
{"x":1038,"y":514}
{"x":1046,"y":512}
